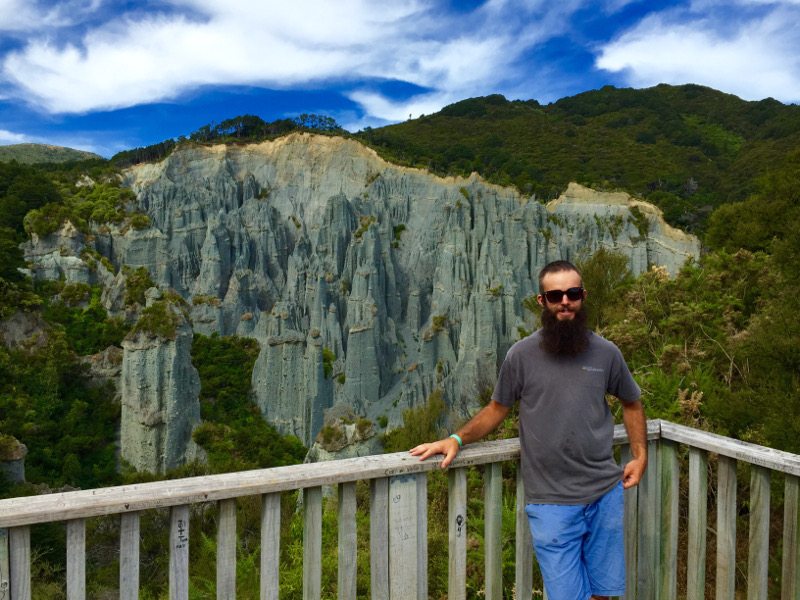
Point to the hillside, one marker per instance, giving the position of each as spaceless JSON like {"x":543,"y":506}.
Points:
{"x":31,"y":154}
{"x":686,"y":149}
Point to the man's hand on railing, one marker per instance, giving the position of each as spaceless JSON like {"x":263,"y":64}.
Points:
{"x":448,"y":446}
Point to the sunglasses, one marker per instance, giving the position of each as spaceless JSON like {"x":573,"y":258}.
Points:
{"x":573,"y":294}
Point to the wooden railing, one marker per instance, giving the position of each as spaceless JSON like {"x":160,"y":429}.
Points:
{"x":655,"y":525}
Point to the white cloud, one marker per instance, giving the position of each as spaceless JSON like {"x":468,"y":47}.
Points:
{"x":32,"y":16}
{"x":142,"y":58}
{"x":9,"y":137}
{"x":753,"y":59}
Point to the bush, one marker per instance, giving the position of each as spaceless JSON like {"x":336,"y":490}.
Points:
{"x":421,"y":424}
{"x":158,"y":320}
{"x":137,"y":282}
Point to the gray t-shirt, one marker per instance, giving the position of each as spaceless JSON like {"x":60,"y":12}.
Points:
{"x":565,"y":426}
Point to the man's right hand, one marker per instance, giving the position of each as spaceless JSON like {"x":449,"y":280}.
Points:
{"x":448,"y":446}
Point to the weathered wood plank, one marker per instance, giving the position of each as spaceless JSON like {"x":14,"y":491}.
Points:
{"x":631,"y":529}
{"x":790,"y":569}
{"x":670,"y":492}
{"x":81,"y":504}
{"x":179,"y":553}
{"x":698,"y":522}
{"x":493,"y":511}
{"x":422,"y":536}
{"x":726,"y":529}
{"x":776,"y":460}
{"x":523,"y":581}
{"x":76,"y":559}
{"x":457,"y":534}
{"x":270,"y":546}
{"x":758,"y":549}
{"x":648,"y":525}
{"x":4,"y":566}
{"x":226,"y":550}
{"x":407,"y":548}
{"x":312,"y":543}
{"x":378,"y":538}
{"x":129,"y":556}
{"x":347,"y":541}
{"x":212,"y":488}
{"x":19,"y":545}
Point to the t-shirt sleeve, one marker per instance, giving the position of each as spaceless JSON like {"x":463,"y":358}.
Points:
{"x":621,"y":383}
{"x":508,"y":387}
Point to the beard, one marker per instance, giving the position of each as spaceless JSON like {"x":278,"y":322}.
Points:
{"x":564,"y":338}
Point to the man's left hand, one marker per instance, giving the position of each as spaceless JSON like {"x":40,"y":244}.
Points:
{"x":633,"y":471}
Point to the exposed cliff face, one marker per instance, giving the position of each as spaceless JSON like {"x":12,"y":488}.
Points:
{"x":160,"y":408}
{"x":316,"y":247}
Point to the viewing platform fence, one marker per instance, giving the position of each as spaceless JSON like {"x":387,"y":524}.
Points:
{"x":689,"y":491}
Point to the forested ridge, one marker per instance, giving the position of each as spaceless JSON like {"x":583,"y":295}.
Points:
{"x":716,"y":347}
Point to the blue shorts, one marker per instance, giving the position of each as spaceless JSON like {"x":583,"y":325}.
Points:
{"x":580,"y":549}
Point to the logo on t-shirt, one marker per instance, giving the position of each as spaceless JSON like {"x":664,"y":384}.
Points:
{"x":592,"y":369}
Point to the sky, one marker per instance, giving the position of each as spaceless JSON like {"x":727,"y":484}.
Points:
{"x":111,"y":75}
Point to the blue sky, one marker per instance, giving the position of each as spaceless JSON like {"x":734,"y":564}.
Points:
{"x":109,"y":75}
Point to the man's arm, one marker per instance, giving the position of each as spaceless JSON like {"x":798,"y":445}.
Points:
{"x":489,"y":417}
{"x":636,"y":426}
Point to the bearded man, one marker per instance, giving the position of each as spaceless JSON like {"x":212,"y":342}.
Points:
{"x":573,"y":487}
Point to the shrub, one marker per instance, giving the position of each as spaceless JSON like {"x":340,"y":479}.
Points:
{"x":137,"y":282}
{"x":158,"y":320}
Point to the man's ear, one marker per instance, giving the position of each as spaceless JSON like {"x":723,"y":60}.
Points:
{"x":540,"y":299}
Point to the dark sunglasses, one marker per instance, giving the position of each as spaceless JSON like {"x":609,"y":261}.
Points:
{"x":573,"y":294}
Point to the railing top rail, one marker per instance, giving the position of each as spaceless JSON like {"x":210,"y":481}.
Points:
{"x":159,"y":494}
{"x":64,"y":506}
{"x":777,"y":460}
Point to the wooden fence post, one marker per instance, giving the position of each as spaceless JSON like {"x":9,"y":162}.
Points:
{"x":698,"y":521}
{"x":457,"y":534}
{"x":408,"y":537}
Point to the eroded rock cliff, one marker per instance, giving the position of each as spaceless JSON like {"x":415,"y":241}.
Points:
{"x":366,"y":284}
{"x":159,"y":389}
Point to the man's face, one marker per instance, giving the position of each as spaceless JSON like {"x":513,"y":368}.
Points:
{"x":564,"y":309}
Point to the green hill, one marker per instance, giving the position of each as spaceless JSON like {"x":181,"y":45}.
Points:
{"x":30,"y":154}
{"x":687,"y":149}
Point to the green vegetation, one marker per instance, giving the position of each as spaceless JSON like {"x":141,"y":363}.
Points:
{"x":158,"y":320}
{"x":328,"y":358}
{"x":420,"y":425}
{"x":88,"y":328}
{"x":365,"y":221}
{"x":68,"y":425}
{"x":234,"y":433}
{"x":241,"y":129}
{"x":685,"y":148}
{"x":137,"y":282}
{"x":30,"y":154}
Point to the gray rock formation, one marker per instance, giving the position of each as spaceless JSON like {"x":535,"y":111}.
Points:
{"x":12,"y":459}
{"x":160,"y":389}
{"x":317,"y":248}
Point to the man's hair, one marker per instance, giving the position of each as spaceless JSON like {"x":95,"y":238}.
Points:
{"x":556,"y":267}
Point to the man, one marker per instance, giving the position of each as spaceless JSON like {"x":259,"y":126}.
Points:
{"x":573,"y":487}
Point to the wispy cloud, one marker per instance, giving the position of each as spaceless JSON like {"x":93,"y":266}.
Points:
{"x":9,"y":137}
{"x":752,"y":55}
{"x":142,"y":58}
{"x":34,"y":15}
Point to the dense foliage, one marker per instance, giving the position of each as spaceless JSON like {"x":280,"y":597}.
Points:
{"x":241,"y":129}
{"x":687,"y":149}
{"x":68,"y":424}
{"x":234,"y":433}
{"x":30,"y":154}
